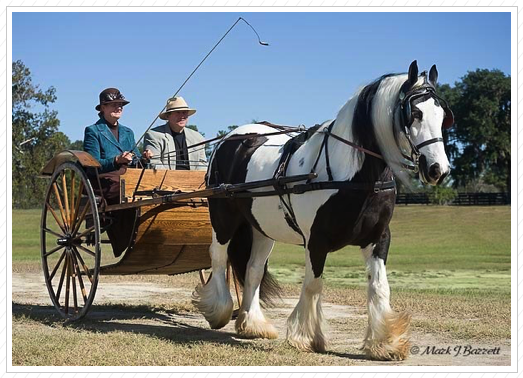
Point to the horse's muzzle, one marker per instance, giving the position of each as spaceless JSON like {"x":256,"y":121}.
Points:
{"x":433,"y":174}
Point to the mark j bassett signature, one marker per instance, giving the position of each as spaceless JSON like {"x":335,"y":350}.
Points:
{"x":454,"y":350}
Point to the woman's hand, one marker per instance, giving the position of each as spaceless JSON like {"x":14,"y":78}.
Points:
{"x":124,"y":158}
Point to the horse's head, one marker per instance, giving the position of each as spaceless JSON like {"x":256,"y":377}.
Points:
{"x":419,"y":117}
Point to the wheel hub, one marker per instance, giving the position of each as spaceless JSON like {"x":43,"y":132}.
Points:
{"x":65,"y":241}
{"x":68,"y":241}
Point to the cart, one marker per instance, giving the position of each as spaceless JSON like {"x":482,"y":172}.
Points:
{"x":160,"y":226}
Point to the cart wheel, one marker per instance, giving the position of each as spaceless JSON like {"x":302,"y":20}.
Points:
{"x":70,"y":241}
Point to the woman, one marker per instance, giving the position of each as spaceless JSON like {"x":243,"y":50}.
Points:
{"x":111,"y":143}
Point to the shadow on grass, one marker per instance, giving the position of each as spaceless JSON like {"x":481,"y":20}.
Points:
{"x":109,"y":318}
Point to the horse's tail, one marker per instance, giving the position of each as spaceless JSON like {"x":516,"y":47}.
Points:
{"x":239,"y":252}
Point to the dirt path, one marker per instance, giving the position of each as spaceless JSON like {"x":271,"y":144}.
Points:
{"x":29,"y":288}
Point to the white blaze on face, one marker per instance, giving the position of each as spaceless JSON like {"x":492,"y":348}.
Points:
{"x":428,"y":128}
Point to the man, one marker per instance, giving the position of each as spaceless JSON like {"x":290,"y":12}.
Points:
{"x":169,"y":142}
{"x":110,"y":142}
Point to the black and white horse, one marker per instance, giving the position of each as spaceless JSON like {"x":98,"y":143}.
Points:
{"x":398,"y":116}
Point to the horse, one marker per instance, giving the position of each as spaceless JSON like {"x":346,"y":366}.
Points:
{"x":391,"y":128}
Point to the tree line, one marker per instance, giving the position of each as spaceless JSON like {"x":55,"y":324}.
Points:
{"x":478,"y":145}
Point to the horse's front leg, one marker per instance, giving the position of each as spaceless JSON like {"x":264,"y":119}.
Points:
{"x":304,"y":326}
{"x":387,"y":332}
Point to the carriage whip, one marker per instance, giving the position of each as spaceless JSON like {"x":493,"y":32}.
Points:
{"x":198,"y":66}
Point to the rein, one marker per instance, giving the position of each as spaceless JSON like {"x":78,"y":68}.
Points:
{"x":288,"y":130}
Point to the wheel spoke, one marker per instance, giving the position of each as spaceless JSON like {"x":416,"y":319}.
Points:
{"x":79,"y":275}
{"x":81,"y":219}
{"x":68,"y":284}
{"x":55,"y":217}
{"x":53,"y":251}
{"x":86,"y":250}
{"x":56,"y":266}
{"x":66,"y":198}
{"x":77,"y":207}
{"x":72,"y":271}
{"x":71,"y":214}
{"x":85,"y":232}
{"x":60,"y":284}
{"x":59,"y":200}
{"x":84,"y":267}
{"x":52,"y":232}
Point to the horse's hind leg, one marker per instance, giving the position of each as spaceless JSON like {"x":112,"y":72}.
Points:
{"x":387,"y":332}
{"x":304,"y":326}
{"x":251,"y":322}
{"x":214,"y":299}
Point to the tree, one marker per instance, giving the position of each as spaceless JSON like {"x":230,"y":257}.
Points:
{"x":35,"y":136}
{"x":207,"y":146}
{"x":222,"y":133}
{"x":77,"y":145}
{"x":479,"y":143}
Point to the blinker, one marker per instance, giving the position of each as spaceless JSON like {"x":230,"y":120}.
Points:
{"x":448,"y":121}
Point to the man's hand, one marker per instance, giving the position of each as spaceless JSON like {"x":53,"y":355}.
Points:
{"x":147,"y":154}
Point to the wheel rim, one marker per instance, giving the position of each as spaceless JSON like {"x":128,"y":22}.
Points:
{"x":70,"y":248}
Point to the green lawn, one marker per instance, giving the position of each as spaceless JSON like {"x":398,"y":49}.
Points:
{"x":435,"y":248}
{"x":26,"y":235}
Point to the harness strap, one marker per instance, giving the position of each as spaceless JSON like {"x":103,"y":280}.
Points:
{"x":280,"y":190}
{"x":326,"y":143}
{"x":353,"y":145}
{"x":377,"y":187}
{"x":430,"y":141}
{"x":327,"y":133}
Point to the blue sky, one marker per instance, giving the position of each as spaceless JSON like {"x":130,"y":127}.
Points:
{"x":314,"y":63}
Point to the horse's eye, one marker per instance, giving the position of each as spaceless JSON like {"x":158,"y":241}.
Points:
{"x":416,"y":113}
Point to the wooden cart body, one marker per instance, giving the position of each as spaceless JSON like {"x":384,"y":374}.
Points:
{"x":168,"y":238}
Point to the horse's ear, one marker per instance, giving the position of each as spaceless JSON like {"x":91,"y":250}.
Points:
{"x":433,"y":75}
{"x":413,"y":73}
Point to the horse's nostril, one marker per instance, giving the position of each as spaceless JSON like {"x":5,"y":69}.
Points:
{"x":435,"y":171}
{"x":443,"y":176}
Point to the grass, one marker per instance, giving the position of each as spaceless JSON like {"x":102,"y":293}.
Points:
{"x":433,"y":248}
{"x":26,"y":235}
{"x":439,"y":248}
{"x":150,"y":348}
{"x":448,"y":266}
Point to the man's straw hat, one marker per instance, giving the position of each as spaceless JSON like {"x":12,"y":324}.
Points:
{"x":176,"y":104}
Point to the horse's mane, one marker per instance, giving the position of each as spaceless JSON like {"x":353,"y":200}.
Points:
{"x":371,"y":115}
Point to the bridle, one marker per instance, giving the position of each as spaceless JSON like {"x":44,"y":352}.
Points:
{"x":406,"y":111}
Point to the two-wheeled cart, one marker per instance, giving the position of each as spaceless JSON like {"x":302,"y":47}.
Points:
{"x":160,"y":226}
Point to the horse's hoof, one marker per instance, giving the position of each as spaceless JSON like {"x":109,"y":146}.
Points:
{"x":251,"y":327}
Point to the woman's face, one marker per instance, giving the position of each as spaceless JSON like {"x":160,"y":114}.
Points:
{"x":113,"y":110}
